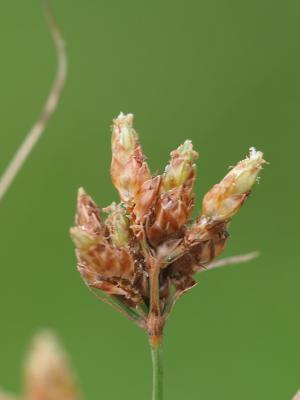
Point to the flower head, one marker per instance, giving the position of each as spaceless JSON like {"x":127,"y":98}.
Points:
{"x":145,"y":254}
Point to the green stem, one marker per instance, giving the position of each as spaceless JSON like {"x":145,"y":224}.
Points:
{"x":157,"y":365}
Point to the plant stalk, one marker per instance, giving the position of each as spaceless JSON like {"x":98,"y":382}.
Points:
{"x":157,"y":365}
{"x":155,"y":324}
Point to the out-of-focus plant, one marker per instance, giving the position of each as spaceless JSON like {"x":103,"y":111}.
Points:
{"x":146,"y":253}
{"x":297,"y":396}
{"x":47,"y":374}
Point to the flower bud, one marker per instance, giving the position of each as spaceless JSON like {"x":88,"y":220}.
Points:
{"x":118,"y":224}
{"x":128,"y":167}
{"x":226,"y":198}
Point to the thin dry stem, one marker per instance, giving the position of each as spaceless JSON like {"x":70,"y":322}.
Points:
{"x":233,"y":260}
{"x":38,"y":128}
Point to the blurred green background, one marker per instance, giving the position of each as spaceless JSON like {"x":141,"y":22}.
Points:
{"x":222,"y":73}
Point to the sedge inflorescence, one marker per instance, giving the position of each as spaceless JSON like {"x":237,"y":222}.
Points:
{"x":145,"y":254}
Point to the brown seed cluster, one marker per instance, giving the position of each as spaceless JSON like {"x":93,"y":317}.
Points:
{"x":145,"y":254}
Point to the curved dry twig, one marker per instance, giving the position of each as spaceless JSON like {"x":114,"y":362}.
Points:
{"x":36,"y":131}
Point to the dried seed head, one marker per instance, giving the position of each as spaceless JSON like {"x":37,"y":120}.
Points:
{"x":47,"y":372}
{"x":128,"y":167}
{"x":146,"y":253}
{"x":118,"y":224}
{"x":226,"y":198}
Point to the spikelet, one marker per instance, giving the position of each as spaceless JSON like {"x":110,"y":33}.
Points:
{"x":176,"y":200}
{"x":129,"y":170}
{"x":146,"y":198}
{"x":104,"y":258}
{"x":226,"y":198}
{"x":118,"y":224}
{"x":181,"y":169}
{"x":90,"y":236}
{"x":207,"y":236}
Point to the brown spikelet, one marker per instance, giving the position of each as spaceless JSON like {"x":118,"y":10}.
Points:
{"x":176,"y":201}
{"x":104,"y":258}
{"x":146,"y":198}
{"x":172,"y":211}
{"x":129,"y":169}
{"x":226,"y":198}
{"x":88,"y":216}
{"x":107,"y":261}
{"x":205,"y":241}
